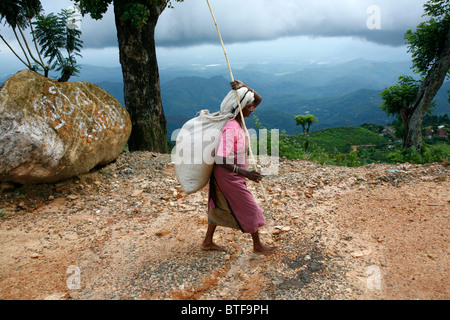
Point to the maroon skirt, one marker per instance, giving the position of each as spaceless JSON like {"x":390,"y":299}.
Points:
{"x":231,"y":204}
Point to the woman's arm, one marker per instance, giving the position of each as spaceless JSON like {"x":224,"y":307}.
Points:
{"x":251,"y":175}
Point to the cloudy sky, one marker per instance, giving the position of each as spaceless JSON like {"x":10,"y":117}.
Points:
{"x":257,"y":31}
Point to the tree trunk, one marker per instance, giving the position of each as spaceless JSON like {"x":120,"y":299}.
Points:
{"x":427,"y":91}
{"x":142,"y":89}
{"x":67,"y":73}
{"x":413,"y":131}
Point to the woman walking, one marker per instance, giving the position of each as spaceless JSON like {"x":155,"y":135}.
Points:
{"x":230,"y":202}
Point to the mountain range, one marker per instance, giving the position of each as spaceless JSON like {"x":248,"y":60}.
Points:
{"x":344,"y":94}
{"x":338,"y":94}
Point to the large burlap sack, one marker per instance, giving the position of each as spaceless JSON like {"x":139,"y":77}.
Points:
{"x":194,"y":153}
{"x":197,"y":142}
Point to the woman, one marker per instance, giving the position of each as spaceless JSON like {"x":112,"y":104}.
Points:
{"x":230,"y":202}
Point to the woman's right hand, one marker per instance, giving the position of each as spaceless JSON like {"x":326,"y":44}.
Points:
{"x":254,"y":176}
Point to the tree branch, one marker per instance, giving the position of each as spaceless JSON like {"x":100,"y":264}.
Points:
{"x":35,"y":44}
{"x":23,"y":50}
{"x":28,"y":48}
{"x":434,"y":79}
{"x":28,"y":66}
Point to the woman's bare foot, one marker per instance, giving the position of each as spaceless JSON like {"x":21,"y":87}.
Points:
{"x":212,"y":246}
{"x":259,"y":247}
{"x":264,"y":250}
{"x":208,"y":243}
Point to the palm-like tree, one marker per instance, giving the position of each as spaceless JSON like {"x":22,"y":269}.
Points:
{"x":18,"y":15}
{"x":53,"y":36}
{"x":51,"y":33}
{"x":306,"y":122}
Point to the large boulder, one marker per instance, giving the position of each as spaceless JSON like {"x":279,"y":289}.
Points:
{"x":51,"y":131}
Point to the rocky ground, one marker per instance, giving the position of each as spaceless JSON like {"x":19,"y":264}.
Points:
{"x":127,"y":231}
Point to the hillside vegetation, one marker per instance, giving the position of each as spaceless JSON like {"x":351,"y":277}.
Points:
{"x":340,"y":140}
{"x":356,"y":146}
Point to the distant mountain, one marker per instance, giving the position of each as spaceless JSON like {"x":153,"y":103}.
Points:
{"x":336,"y":80}
{"x":188,"y":95}
{"x":185,"y":97}
{"x":114,"y":88}
{"x":352,"y":109}
{"x":338,"y":94}
{"x":2,"y":80}
{"x":442,"y":100}
{"x":96,"y":74}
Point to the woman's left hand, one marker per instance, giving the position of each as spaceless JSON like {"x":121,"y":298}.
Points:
{"x":254,"y":176}
{"x":236,"y":85}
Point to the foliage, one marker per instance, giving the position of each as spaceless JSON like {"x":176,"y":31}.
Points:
{"x":398,"y":97}
{"x":342,"y":140}
{"x":52,"y":35}
{"x":434,"y":120}
{"x":19,"y":13}
{"x":427,"y":42}
{"x":319,"y":155}
{"x":399,"y":128}
{"x":306,"y":122}
{"x":357,"y":146}
{"x":331,"y":146}
{"x":135,"y":12}
{"x":373,"y":127}
{"x":437,"y":8}
{"x":428,"y":154}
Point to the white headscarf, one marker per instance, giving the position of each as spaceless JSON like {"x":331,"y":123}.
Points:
{"x":229,"y":103}
{"x":229,"y":108}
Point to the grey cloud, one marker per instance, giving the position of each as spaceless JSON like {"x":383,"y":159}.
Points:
{"x":99,"y":33}
{"x":190,"y":23}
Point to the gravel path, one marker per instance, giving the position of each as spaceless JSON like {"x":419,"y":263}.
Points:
{"x":127,"y":231}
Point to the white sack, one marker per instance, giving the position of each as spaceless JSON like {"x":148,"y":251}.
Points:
{"x":197,"y":142}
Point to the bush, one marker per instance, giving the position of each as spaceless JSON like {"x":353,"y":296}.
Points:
{"x":428,"y":154}
{"x":291,"y":147}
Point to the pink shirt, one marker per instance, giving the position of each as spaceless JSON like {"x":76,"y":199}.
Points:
{"x":233,"y":144}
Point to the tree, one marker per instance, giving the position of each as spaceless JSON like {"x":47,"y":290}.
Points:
{"x":397,"y":99}
{"x":430,"y":49}
{"x":51,"y":36}
{"x":306,"y":122}
{"x":135,"y":23}
{"x":18,"y":15}
{"x":54,"y":35}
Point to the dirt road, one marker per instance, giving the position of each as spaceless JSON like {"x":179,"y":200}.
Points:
{"x":127,"y":231}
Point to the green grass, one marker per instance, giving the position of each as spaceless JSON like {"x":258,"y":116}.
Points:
{"x":340,"y":140}
{"x":445,"y":148}
{"x":356,"y":146}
